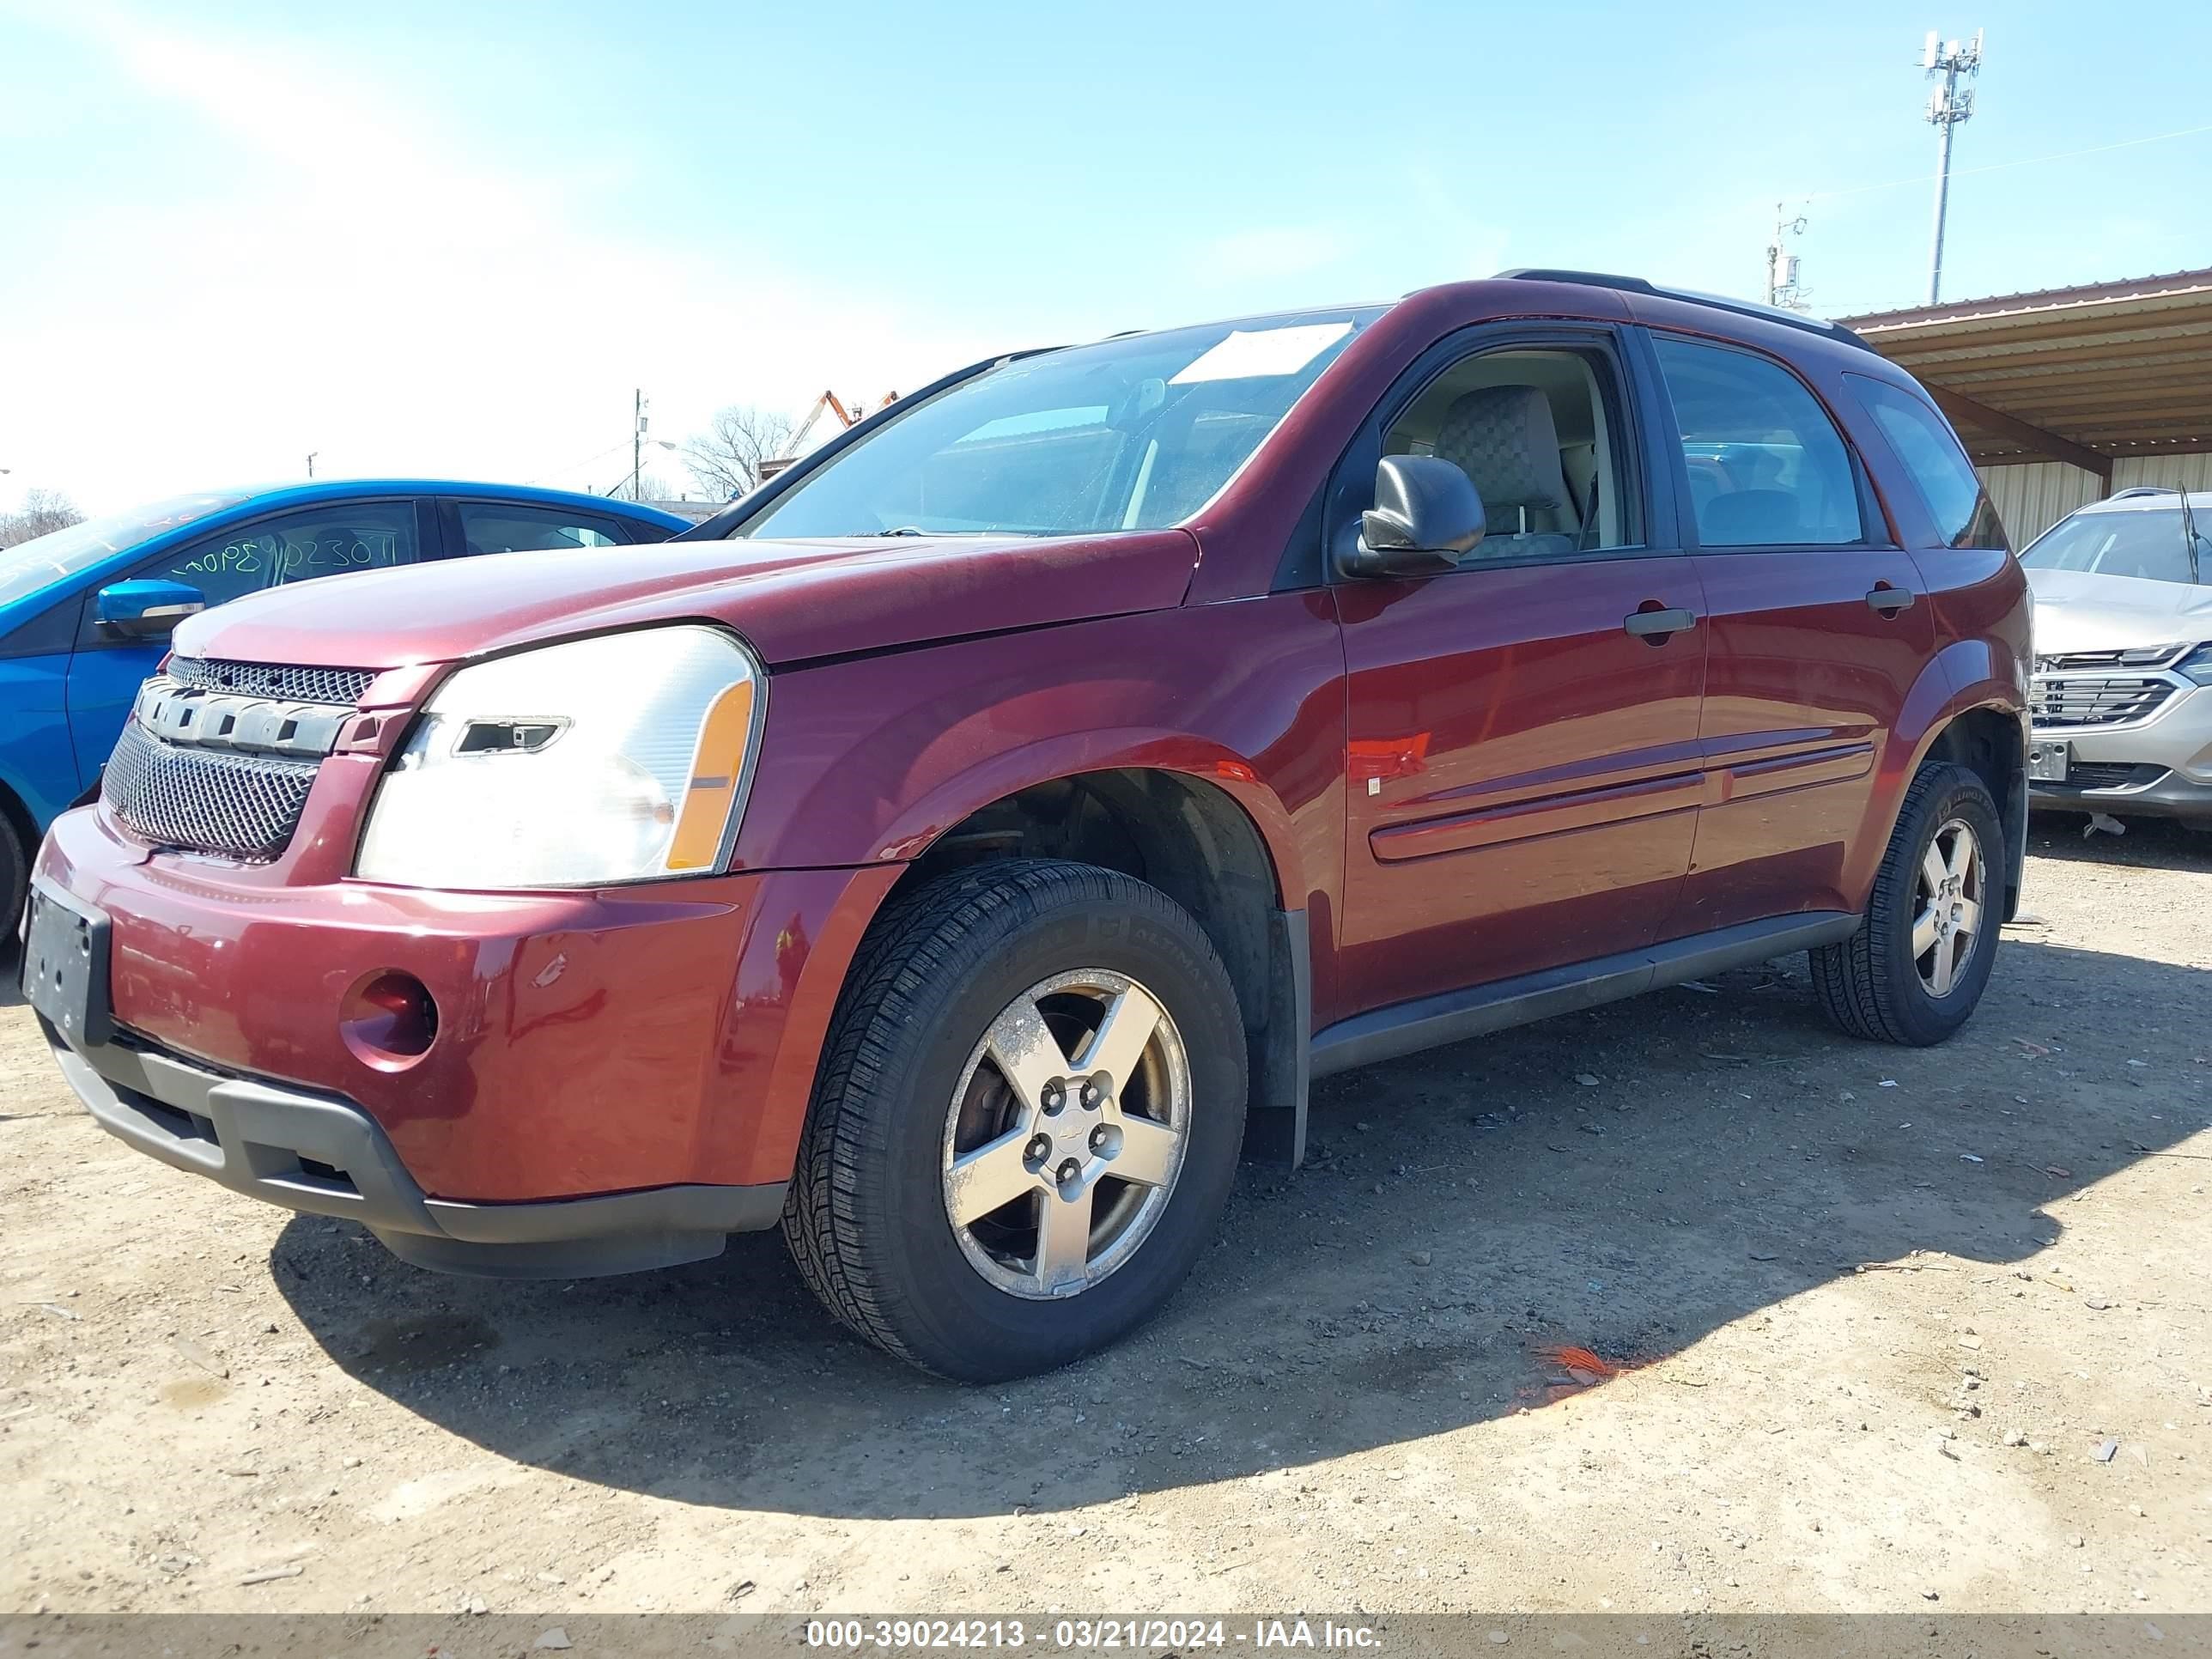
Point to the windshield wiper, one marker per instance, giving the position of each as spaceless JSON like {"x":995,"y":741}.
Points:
{"x":2189,"y":535}
{"x":902,"y":529}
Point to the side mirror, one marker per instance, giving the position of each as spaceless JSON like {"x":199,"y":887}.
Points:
{"x":144,"y":610}
{"x":1427,"y":514}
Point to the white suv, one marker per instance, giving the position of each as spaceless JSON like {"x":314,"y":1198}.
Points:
{"x":2122,"y":689}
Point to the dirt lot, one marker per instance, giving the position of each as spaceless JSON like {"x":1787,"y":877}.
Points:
{"x":1348,"y":1405}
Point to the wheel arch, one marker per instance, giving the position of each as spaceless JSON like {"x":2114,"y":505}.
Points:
{"x":1983,"y":728}
{"x":1196,"y":835}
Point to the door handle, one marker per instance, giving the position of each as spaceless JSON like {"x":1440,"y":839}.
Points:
{"x":1657,"y":625}
{"x":1890,"y":600}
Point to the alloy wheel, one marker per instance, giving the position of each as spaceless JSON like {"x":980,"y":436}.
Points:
{"x":1067,"y":1133}
{"x":1947,"y":907}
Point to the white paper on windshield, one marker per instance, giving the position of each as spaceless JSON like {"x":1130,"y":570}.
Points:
{"x":1266,"y":352}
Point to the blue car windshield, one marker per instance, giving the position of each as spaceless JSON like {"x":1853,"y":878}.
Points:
{"x":1132,"y":434}
{"x":44,"y":559}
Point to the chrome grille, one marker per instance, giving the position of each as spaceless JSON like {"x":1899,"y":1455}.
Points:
{"x":2139,"y":656}
{"x":285,"y":682}
{"x":2086,"y":701}
{"x":244,"y":807}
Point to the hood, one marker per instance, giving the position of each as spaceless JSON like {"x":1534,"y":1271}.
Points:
{"x":2079,"y":611}
{"x":792,"y":600}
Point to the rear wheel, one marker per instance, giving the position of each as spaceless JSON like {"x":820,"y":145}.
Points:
{"x":1026,"y":1122}
{"x":1916,"y":968}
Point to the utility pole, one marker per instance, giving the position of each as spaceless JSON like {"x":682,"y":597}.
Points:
{"x":310,"y":461}
{"x":1948,"y":106}
{"x":1781,"y":288}
{"x":636,"y":439}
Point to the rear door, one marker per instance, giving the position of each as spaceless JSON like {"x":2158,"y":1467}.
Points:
{"x":1819,"y":626}
{"x":1523,"y":754}
{"x":326,"y":540}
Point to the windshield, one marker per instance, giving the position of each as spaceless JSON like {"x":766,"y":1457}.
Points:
{"x":29,"y":566}
{"x":1133,"y":434}
{"x":2146,"y":542}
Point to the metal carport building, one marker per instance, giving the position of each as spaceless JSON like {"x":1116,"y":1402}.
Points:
{"x":2065,"y":396}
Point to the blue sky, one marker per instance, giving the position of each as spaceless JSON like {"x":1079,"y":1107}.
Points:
{"x":451,"y":239}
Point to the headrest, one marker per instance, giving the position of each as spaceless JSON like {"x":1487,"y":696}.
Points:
{"x":1502,"y":437}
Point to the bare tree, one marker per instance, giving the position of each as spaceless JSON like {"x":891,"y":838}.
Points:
{"x":647,"y":487}
{"x":726,"y":457}
{"x":43,"y":511}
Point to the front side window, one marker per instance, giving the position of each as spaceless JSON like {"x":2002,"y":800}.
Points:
{"x":328,"y":541}
{"x":489,"y":529}
{"x":2150,"y":543}
{"x":1536,"y":433}
{"x":1134,"y":433}
{"x":1767,"y":467}
{"x":1939,"y":468}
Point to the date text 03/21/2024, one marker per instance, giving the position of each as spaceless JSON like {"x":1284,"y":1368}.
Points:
{"x":1086,"y":1635}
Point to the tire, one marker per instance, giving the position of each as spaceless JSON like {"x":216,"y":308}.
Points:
{"x":1873,"y":985}
{"x":933,"y":997}
{"x":15,"y":879}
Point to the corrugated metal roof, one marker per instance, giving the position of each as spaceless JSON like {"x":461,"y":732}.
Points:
{"x":2083,"y":375}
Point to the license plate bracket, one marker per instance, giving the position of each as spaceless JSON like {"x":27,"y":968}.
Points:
{"x":65,"y":958}
{"x":2047,"y":761}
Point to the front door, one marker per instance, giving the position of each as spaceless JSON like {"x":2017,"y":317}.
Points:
{"x":1819,"y":626}
{"x":1523,"y":755}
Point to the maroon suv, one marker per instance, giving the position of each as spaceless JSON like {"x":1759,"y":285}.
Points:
{"x":956,"y":849}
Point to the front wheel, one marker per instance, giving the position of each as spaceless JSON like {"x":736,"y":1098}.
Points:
{"x":1026,"y":1122}
{"x":14,"y":872}
{"x":1914,"y":971}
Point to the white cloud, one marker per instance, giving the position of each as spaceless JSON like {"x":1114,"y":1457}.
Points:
{"x":358,"y":282}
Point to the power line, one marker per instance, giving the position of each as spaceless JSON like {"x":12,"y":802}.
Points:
{"x":2000,"y":166}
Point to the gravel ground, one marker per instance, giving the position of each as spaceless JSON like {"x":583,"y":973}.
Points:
{"x":1896,"y":1330}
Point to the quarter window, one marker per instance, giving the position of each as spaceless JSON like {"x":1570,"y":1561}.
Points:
{"x":1767,"y":467}
{"x":1946,"y":479}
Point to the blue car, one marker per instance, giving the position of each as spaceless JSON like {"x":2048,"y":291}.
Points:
{"x":85,"y":613}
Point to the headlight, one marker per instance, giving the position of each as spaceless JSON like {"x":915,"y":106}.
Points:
{"x":620,"y":758}
{"x":2197,"y":665}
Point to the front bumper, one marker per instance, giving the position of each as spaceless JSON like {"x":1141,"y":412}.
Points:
{"x":325,"y":1155}
{"x":2160,"y":767}
{"x":618,"y":1077}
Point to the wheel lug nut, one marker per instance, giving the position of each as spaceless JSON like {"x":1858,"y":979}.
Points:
{"x":1097,"y":1138}
{"x":1040,"y":1148}
{"x":1069,"y":1171}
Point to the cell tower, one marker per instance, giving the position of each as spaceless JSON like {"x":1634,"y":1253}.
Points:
{"x":1948,"y":104}
{"x":1782,"y":285}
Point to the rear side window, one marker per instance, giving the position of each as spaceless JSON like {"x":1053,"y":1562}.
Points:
{"x":1767,"y":467}
{"x":492,"y":529}
{"x":1946,"y":479}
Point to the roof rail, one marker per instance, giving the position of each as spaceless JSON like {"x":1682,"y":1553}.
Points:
{"x":1819,"y":325}
{"x":2143,"y":489}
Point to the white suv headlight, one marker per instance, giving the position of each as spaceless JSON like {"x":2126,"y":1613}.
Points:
{"x":614,"y":759}
{"x":2197,"y":665}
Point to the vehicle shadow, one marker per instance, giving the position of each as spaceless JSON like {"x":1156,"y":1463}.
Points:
{"x":1628,"y":1180}
{"x":2149,"y":843}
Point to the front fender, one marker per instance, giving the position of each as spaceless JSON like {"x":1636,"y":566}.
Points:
{"x":868,"y":761}
{"x":911,"y":831}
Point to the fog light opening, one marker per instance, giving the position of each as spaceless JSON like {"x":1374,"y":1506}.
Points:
{"x":389,"y":1020}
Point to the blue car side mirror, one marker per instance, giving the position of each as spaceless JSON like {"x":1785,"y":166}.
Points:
{"x":144,"y":610}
